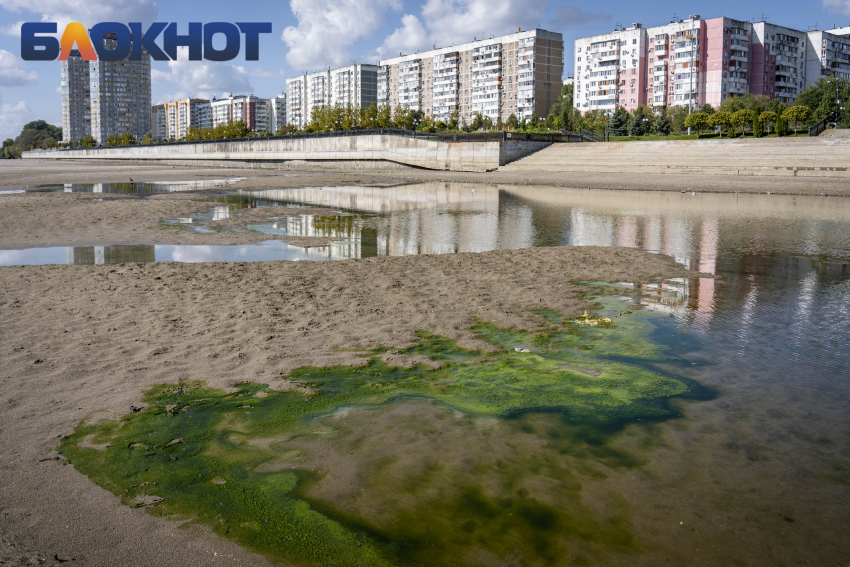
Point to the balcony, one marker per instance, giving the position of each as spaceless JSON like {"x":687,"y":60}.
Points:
{"x":661,"y":51}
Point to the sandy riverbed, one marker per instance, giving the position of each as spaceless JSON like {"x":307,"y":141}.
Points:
{"x":84,"y":339}
{"x":15,"y":174}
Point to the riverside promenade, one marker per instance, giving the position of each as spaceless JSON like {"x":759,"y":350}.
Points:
{"x":781,"y":157}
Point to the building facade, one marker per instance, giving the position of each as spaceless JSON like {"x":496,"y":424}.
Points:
{"x":517,"y":74}
{"x":695,"y":62}
{"x":251,"y":110}
{"x":76,"y":100}
{"x":355,"y":85}
{"x":277,"y":113}
{"x":120,"y":95}
{"x":172,"y":120}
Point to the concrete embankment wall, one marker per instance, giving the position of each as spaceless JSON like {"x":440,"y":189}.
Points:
{"x":775,"y":157}
{"x":259,"y":152}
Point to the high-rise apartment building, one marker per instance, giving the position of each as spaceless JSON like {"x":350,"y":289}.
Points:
{"x":172,"y":120}
{"x":355,"y":85}
{"x":277,"y":113}
{"x":516,"y":74}
{"x":779,"y":61}
{"x":120,"y":95}
{"x":828,"y":54}
{"x":695,"y":62}
{"x":251,"y":110}
{"x":76,"y":102}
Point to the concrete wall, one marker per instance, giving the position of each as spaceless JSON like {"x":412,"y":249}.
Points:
{"x":417,"y":152}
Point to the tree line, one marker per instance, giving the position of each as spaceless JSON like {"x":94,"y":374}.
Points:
{"x":759,"y":114}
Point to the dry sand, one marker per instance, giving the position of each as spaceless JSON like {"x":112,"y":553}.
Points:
{"x":78,"y":340}
{"x":15,"y":174}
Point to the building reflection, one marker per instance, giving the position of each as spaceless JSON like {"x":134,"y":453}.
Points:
{"x":739,"y":238}
{"x":115,"y":254}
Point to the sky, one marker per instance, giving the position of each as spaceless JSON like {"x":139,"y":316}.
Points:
{"x":309,"y":35}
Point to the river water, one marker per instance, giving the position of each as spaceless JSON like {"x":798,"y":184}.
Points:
{"x":759,"y":475}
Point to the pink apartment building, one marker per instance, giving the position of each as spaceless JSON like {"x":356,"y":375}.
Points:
{"x":694,"y":61}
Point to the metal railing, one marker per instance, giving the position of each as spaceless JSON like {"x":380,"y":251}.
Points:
{"x":588,"y":136}
{"x":563,"y":136}
{"x":819,"y":127}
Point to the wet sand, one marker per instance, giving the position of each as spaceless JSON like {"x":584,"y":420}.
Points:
{"x":67,"y":219}
{"x":79,"y":341}
{"x":15,"y":174}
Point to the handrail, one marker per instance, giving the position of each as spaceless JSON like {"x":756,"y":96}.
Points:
{"x":819,"y":127}
{"x":562,"y":136}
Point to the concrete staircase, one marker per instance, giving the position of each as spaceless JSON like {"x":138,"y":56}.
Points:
{"x":796,"y":157}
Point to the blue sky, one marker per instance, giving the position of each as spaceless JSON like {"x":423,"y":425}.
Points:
{"x":311,"y":34}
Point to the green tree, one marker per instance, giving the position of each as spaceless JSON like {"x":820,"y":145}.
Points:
{"x":758,"y":127}
{"x":618,"y":125}
{"x":638,"y":127}
{"x":797,"y":114}
{"x":742,"y":118}
{"x":720,"y":118}
{"x":453,"y":120}
{"x":677,"y":117}
{"x":707,"y":109}
{"x":822,"y":97}
{"x":697,"y":121}
{"x":513,"y":122}
{"x":781,"y":126}
{"x":148,"y":139}
{"x":767,"y":117}
{"x":662,"y":126}
{"x":477,"y":122}
{"x":88,"y":141}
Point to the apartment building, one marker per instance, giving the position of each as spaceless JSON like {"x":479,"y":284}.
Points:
{"x":828,"y":54}
{"x":516,"y":74}
{"x":251,"y":110}
{"x":778,"y":61}
{"x":277,"y":113}
{"x":693,"y":62}
{"x":611,"y":70}
{"x":172,"y":120}
{"x":76,"y":101}
{"x":120,"y":94}
{"x":355,"y":85}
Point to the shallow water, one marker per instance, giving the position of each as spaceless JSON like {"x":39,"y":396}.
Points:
{"x":759,"y":475}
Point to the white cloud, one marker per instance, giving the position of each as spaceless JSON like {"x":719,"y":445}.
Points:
{"x":409,"y":38}
{"x":459,"y":21}
{"x":87,"y":12}
{"x":451,"y":22}
{"x":837,"y":7}
{"x":13,"y":73}
{"x":13,"y":118}
{"x":327,"y":28}
{"x":201,"y":79}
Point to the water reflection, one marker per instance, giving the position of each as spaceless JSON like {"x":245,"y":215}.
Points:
{"x":116,"y":254}
{"x":136,"y":187}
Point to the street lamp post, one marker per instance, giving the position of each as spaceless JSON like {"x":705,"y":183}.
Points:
{"x":645,"y":120}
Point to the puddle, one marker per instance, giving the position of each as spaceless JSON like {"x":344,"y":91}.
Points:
{"x":117,"y":254}
{"x":135,"y":187}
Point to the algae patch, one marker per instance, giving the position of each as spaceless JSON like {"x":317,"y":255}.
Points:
{"x":227,"y":459}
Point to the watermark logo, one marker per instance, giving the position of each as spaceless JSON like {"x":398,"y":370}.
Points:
{"x":128,"y":41}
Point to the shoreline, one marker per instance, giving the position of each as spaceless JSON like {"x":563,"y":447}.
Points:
{"x":31,"y":173}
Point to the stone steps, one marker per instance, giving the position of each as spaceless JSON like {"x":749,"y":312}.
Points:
{"x":799,"y":157}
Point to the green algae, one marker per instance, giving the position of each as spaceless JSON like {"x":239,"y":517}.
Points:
{"x":224,"y":460}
